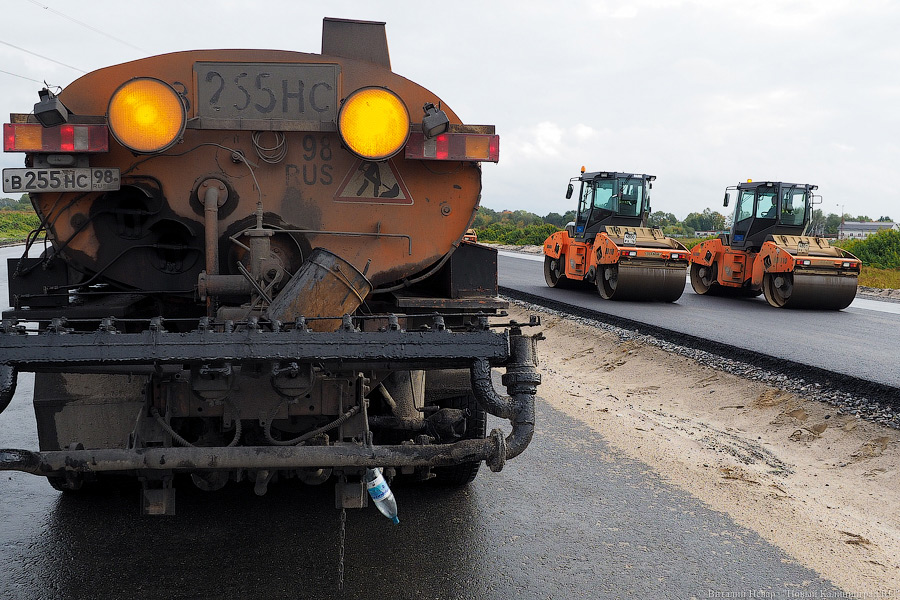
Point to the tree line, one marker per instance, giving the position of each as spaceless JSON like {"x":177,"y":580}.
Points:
{"x":23,"y":203}
{"x":523,"y":227}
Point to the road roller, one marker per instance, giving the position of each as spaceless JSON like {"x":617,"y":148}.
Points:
{"x":250,"y":267}
{"x":768,"y":252}
{"x":609,"y":245}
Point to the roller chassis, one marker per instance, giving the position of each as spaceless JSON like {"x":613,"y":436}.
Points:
{"x":791,"y":271}
{"x":643,"y":269}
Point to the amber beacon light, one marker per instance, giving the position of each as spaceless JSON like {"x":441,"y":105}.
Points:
{"x":374,"y":123}
{"x":146,"y":115}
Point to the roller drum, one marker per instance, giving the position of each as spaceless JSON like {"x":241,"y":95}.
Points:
{"x":815,"y":291}
{"x":630,"y":282}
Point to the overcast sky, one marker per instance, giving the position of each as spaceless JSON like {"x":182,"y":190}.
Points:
{"x":701,"y":93}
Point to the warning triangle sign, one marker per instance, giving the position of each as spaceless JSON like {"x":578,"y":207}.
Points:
{"x":373,"y":183}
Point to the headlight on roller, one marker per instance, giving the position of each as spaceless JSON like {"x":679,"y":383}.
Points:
{"x":374,"y":123}
{"x":146,"y":115}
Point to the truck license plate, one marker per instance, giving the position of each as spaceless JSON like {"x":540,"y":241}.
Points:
{"x":60,"y":180}
{"x":630,"y":238}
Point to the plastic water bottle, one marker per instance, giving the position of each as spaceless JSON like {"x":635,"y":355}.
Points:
{"x":382,"y":494}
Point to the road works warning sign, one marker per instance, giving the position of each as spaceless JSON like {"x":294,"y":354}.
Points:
{"x":373,"y":183}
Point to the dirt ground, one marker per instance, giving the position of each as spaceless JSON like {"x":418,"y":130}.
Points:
{"x":820,"y":485}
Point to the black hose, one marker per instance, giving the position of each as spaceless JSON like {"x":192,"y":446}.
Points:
{"x":310,"y":434}
{"x":238,"y":430}
{"x":8,"y":377}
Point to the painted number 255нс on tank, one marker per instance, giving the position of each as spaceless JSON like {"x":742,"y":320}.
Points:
{"x":270,"y":91}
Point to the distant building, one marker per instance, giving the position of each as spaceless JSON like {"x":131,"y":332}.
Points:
{"x":856,"y":230}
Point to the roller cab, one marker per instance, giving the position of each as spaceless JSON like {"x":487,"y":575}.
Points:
{"x":767,"y":252}
{"x":609,"y":247}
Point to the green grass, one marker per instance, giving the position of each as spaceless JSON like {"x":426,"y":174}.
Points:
{"x":15,"y":225}
{"x":888,"y":279}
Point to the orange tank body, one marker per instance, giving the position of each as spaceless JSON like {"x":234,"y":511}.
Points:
{"x":411,"y":214}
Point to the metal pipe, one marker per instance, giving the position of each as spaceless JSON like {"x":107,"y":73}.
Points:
{"x":48,"y":351}
{"x":212,"y":199}
{"x":222,"y":285}
{"x":402,"y":423}
{"x":252,"y":457}
{"x":521,"y":380}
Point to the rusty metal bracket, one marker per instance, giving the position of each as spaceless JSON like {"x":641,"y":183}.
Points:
{"x":99,"y":349}
{"x":251,"y":457}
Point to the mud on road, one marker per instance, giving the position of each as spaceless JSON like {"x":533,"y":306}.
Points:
{"x":818,"y":484}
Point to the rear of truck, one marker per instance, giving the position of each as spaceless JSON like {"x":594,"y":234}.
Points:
{"x":252,"y":270}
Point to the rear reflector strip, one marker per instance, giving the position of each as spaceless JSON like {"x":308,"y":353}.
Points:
{"x":34,"y":137}
{"x":454,"y":146}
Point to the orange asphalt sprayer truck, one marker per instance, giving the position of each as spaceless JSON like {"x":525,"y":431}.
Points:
{"x":768,"y":251}
{"x":609,"y":245}
{"x":253,"y":270}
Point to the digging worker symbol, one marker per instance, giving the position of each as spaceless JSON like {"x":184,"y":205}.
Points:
{"x":372,"y":173}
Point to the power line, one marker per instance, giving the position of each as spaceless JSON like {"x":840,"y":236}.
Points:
{"x":21,"y":76}
{"x":41,"y":56}
{"x":91,"y":27}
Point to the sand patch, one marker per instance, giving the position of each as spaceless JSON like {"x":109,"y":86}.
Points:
{"x":820,"y":485}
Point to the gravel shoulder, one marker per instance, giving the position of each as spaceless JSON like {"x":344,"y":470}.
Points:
{"x":820,"y":484}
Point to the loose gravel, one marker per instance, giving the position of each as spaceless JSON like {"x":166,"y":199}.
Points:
{"x":883,"y":407}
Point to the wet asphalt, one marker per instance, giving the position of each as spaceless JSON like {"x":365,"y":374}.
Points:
{"x":570,"y":518}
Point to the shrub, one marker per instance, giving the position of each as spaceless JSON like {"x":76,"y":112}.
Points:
{"x":15,"y":225}
{"x":881,"y":250}
{"x":508,"y":233}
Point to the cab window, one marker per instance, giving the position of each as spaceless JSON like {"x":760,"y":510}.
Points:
{"x":744,"y":208}
{"x":766,"y":206}
{"x":604,"y":194}
{"x":793,"y":206}
{"x":631,"y":198}
{"x":584,"y":208}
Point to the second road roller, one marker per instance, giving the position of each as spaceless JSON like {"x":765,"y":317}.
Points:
{"x":609,"y":245}
{"x":767,"y":251}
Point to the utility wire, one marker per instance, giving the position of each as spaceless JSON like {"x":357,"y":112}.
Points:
{"x":41,"y":56}
{"x":91,"y":27}
{"x":21,"y":76}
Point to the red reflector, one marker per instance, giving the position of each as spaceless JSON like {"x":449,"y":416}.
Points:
{"x":442,"y":147}
{"x":34,"y":137}
{"x":9,"y":138}
{"x":67,"y":138}
{"x":454,"y":146}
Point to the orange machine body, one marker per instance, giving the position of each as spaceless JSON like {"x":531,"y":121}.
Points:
{"x":768,"y":252}
{"x":608,"y":245}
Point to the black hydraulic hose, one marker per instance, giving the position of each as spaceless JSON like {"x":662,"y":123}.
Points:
{"x":309,"y":434}
{"x":521,"y":381}
{"x":8,"y":377}
{"x":408,"y":282}
{"x":162,"y":423}
{"x":238,"y":430}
